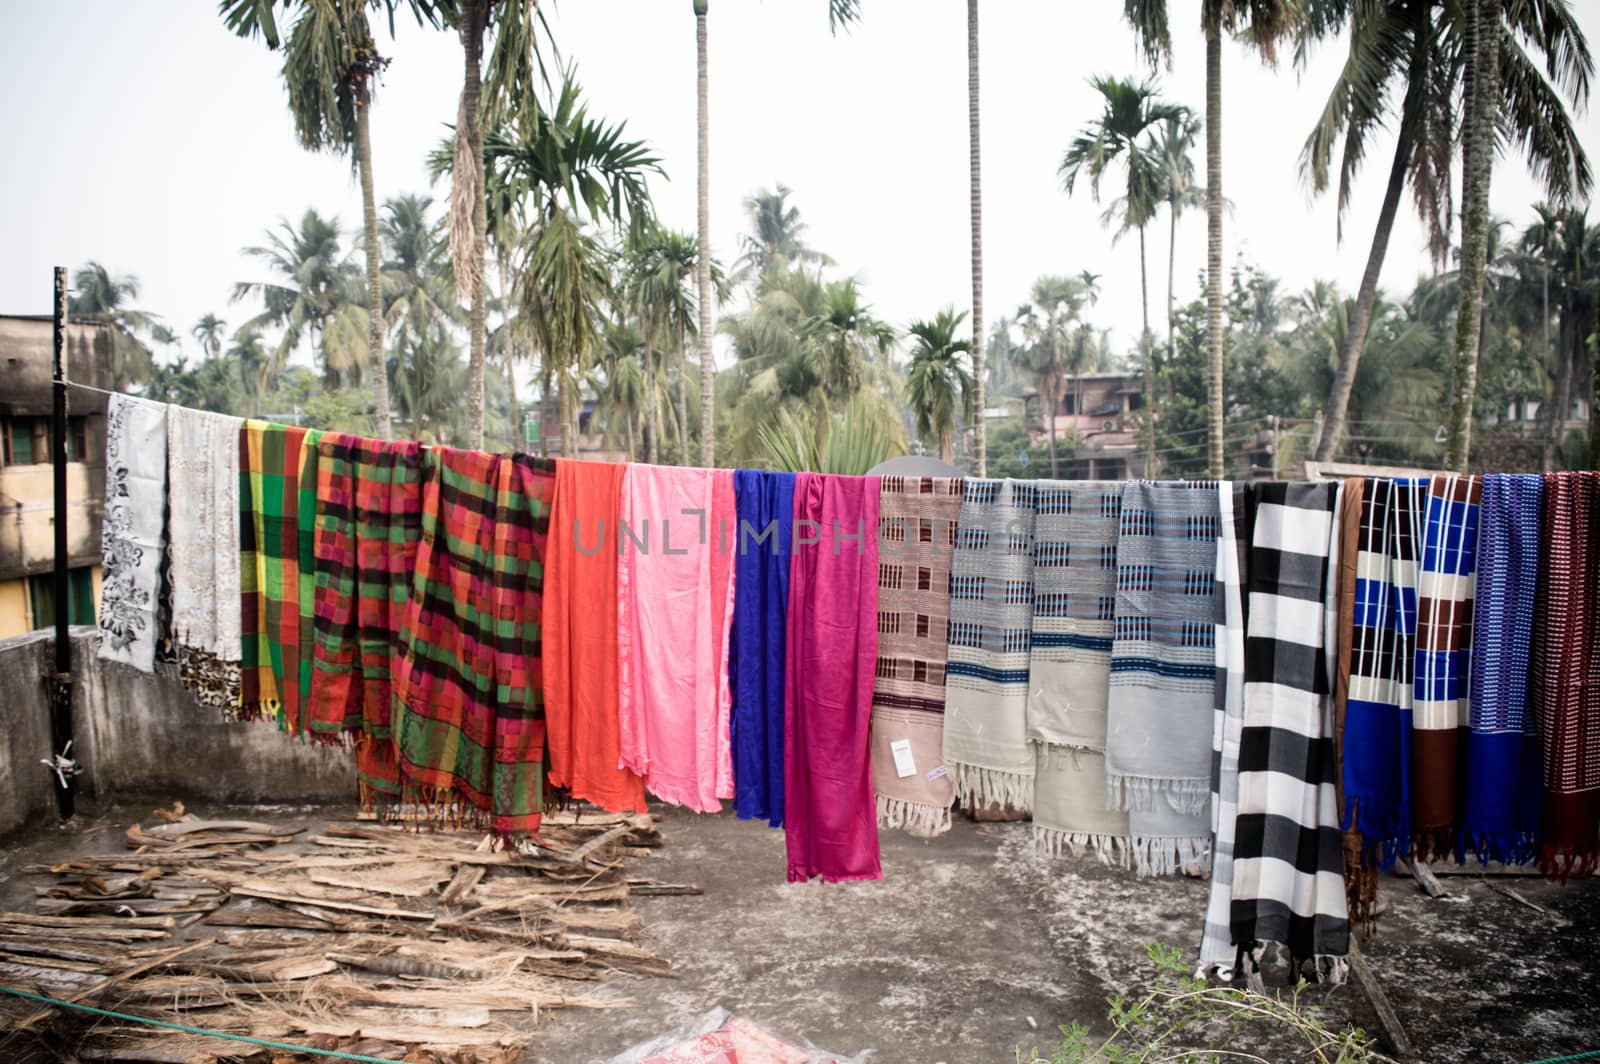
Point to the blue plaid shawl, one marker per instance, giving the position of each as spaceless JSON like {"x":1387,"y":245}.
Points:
{"x":1377,"y":729}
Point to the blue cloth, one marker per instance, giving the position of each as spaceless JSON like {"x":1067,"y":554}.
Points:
{"x":1377,"y":727}
{"x":1501,"y":820}
{"x":756,"y":654}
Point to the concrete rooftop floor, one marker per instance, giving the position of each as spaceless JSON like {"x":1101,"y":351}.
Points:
{"x":975,"y":947}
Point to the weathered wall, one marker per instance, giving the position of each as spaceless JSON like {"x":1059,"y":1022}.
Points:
{"x":24,"y":730}
{"x":139,"y":735}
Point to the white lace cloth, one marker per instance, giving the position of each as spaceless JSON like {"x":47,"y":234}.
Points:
{"x":203,"y":466}
{"x":132,"y":533}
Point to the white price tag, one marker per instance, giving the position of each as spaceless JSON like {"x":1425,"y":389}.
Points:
{"x":937,"y":772}
{"x":903,"y":764}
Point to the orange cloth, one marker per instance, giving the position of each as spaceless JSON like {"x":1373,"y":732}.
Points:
{"x":580,"y":638}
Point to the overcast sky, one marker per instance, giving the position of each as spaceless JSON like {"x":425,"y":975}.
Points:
{"x":142,"y":134}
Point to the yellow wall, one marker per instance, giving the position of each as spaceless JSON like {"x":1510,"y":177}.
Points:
{"x":16,"y":612}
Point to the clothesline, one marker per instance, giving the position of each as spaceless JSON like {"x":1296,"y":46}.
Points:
{"x":1070,"y":650}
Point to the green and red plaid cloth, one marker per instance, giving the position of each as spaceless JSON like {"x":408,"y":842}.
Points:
{"x":277,"y":515}
{"x":469,"y":714}
{"x":368,"y":523}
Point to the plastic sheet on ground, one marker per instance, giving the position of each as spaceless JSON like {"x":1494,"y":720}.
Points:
{"x":719,"y":1037}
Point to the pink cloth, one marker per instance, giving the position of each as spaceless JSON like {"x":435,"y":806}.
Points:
{"x":675,"y":553}
{"x":830,"y":819}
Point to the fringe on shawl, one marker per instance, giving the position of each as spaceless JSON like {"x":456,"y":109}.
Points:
{"x":1508,"y":847}
{"x":916,"y":818}
{"x":1562,"y":863}
{"x":1327,"y":970}
{"x":977,"y":787}
{"x":1111,"y":850}
{"x":1360,"y":886}
{"x":1157,"y":855}
{"x":1142,"y":794}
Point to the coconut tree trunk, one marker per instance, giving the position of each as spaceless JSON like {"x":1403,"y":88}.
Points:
{"x":1482,"y":48}
{"x":1344,"y":377}
{"x":369,"y":224}
{"x":1055,"y":469}
{"x":652,"y":430}
{"x":1561,"y":402}
{"x":469,"y":245}
{"x":702,"y":266}
{"x":512,"y":407}
{"x":1214,"y":402}
{"x":1149,"y":367}
{"x":1172,"y":264}
{"x":544,"y":411}
{"x":683,"y":411}
{"x":980,"y":447}
{"x":563,"y":402}
{"x":1594,"y":409}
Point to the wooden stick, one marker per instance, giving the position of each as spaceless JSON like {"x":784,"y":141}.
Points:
{"x":107,"y":983}
{"x":577,"y":856}
{"x":323,"y":903}
{"x":1388,"y":1019}
{"x":466,"y":877}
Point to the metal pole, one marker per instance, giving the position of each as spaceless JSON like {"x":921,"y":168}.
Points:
{"x":61,"y":682}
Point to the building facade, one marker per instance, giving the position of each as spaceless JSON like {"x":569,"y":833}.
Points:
{"x":1097,"y":412}
{"x":27,"y":516}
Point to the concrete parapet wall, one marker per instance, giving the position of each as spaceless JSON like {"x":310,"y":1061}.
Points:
{"x":141,"y":735}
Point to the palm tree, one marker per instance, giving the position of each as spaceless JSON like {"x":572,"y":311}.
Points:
{"x":248,"y":351}
{"x":208,"y":331}
{"x":777,"y":237}
{"x":1567,"y":249}
{"x":1131,"y":110}
{"x":938,"y":386}
{"x":421,"y":307}
{"x":840,"y":13}
{"x":662,"y":264}
{"x":1263,"y":23}
{"x":95,"y":290}
{"x":318,"y":292}
{"x":1394,"y":402}
{"x":1417,"y":49}
{"x":846,"y":341}
{"x":329,"y":67}
{"x":1171,"y":145}
{"x":1047,"y":323}
{"x":975,"y":169}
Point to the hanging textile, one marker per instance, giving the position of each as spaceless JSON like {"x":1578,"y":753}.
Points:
{"x":991,"y":623}
{"x":1288,"y":884}
{"x":916,"y":541}
{"x":674,"y":604}
{"x":1163,"y":672}
{"x":133,"y":532}
{"x":1445,"y":581}
{"x":1069,"y":667}
{"x":1235,"y":526}
{"x":1501,"y":816}
{"x":203,"y":497}
{"x":1377,"y":729}
{"x":580,"y":638}
{"x":765,"y":503}
{"x":830,"y":827}
{"x":367,"y":522}
{"x":1360,"y":871}
{"x":469,"y":721}
{"x":277,"y":530}
{"x":1564,"y":685}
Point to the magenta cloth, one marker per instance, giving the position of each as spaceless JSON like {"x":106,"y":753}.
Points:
{"x":830,"y":819}
{"x":675,"y":552}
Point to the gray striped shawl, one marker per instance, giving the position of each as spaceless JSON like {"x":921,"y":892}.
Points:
{"x":1074,"y":584}
{"x":991,"y":616}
